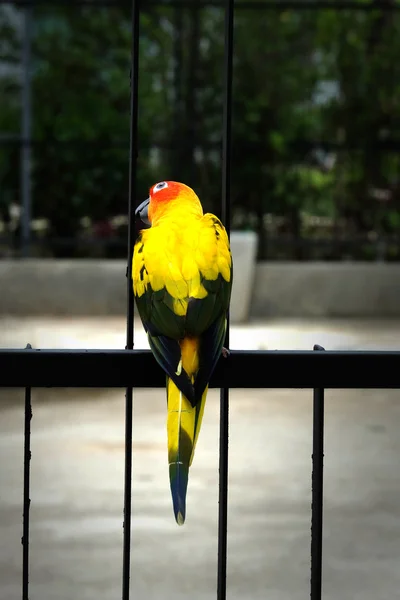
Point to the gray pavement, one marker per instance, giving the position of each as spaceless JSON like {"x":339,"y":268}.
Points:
{"x":77,"y":481}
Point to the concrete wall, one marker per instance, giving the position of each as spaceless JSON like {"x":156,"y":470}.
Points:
{"x":61,"y":287}
{"x":99,"y":287}
{"x":318,"y":289}
{"x":96,"y":287}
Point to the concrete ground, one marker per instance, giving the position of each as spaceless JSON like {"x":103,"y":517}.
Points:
{"x":78,"y":466}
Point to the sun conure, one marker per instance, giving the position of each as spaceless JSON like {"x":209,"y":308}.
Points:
{"x":182,"y":279}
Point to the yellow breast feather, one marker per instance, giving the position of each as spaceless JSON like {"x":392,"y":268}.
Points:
{"x":177,"y":257}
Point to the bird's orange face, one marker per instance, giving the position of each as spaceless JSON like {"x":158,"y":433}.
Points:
{"x":160,"y":196}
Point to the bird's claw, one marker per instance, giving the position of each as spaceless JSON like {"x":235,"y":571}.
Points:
{"x":225,"y":352}
{"x":179,"y":369}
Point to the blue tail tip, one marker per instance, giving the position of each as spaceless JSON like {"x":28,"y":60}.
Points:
{"x":178,"y":481}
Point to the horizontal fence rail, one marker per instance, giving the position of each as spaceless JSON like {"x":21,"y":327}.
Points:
{"x":241,"y":369}
{"x":239,"y":4}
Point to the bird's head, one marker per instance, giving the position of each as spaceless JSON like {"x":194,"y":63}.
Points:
{"x":163,"y":197}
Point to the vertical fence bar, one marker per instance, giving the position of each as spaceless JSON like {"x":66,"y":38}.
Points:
{"x":26,"y":132}
{"x":133,"y":152}
{"x":26,"y":500}
{"x":317,"y":490}
{"x":224,"y":398}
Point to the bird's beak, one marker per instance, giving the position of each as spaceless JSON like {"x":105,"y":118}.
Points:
{"x":142,"y":211}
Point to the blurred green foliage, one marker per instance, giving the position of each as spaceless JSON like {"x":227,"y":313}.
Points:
{"x":316,"y":116}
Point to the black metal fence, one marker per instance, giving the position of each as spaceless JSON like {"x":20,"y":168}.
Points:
{"x":342,"y":160}
{"x":317,"y":369}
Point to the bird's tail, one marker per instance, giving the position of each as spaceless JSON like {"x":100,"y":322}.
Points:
{"x":183,"y":426}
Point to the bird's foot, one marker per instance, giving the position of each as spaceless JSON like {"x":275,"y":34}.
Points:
{"x":225,"y":352}
{"x":179,"y":369}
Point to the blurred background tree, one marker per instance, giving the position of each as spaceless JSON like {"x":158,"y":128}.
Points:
{"x":316,"y":148}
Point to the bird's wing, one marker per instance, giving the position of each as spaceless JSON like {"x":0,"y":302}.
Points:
{"x":182,"y":285}
{"x":206,"y":317}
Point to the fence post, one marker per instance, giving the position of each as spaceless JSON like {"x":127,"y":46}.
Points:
{"x":317,"y":489}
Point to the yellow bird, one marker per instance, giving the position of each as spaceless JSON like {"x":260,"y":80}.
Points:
{"x":182,"y":280}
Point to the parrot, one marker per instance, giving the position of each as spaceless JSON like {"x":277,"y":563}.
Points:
{"x":182,"y":281}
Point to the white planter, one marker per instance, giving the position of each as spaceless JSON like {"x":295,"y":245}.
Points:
{"x":244,"y":249}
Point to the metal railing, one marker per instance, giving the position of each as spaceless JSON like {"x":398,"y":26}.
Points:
{"x":317,"y":370}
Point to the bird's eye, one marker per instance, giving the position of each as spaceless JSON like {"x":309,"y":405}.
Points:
{"x":160,"y":186}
